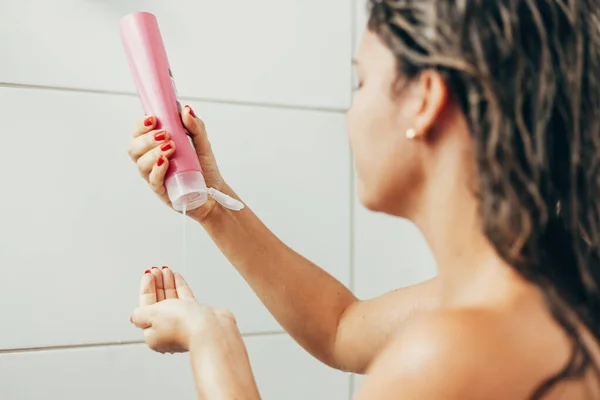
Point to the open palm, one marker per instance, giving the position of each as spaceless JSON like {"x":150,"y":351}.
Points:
{"x":168,"y":311}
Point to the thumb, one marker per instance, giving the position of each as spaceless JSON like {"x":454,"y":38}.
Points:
{"x":197,"y":130}
{"x":142,"y":317}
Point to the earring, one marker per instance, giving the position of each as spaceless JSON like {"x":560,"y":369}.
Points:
{"x":411,"y":133}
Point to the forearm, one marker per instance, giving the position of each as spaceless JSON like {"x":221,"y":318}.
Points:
{"x":218,"y":373}
{"x":306,"y":300}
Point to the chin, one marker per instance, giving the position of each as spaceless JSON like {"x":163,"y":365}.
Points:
{"x":380,"y":201}
{"x":369,"y":199}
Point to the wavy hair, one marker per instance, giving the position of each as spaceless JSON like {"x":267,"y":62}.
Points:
{"x":526,"y":74}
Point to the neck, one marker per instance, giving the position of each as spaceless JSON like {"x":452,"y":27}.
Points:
{"x":450,"y":222}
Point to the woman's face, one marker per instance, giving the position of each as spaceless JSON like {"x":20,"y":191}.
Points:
{"x":388,"y":164}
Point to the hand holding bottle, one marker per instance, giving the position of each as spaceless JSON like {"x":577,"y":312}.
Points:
{"x":151,"y":149}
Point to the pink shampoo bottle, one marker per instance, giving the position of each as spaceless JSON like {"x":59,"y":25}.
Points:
{"x":153,"y":79}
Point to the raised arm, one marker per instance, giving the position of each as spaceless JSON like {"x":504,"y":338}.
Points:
{"x":318,"y":311}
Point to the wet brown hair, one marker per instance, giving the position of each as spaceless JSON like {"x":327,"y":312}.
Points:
{"x":526,"y":74}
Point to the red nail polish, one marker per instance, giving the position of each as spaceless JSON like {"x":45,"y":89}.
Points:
{"x":165,"y":267}
{"x":192,"y":113}
{"x":154,"y":267}
{"x":146,"y":271}
{"x":159,"y":136}
{"x":160,"y":161}
{"x":166,"y":147}
{"x":148,"y":121}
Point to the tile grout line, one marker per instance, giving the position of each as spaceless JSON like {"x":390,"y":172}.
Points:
{"x":187,"y":98}
{"x":352,"y":263}
{"x":113,"y":344}
{"x":70,"y":347}
{"x":353,"y":41}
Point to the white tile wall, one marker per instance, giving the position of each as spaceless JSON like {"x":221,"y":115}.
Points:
{"x":78,"y":226}
{"x":282,"y":370}
{"x":294,"y":52}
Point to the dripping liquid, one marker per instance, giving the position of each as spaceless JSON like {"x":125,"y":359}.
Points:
{"x":184,"y":241}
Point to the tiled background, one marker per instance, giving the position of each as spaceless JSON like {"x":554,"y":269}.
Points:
{"x":272,"y":79}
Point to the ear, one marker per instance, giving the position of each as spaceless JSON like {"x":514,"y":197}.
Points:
{"x":433,"y":96}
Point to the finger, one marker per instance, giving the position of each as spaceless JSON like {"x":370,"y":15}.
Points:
{"x":147,"y":290}
{"x":169,"y":282}
{"x":195,"y":126}
{"x":146,"y":162}
{"x":142,"y":317}
{"x":183,"y":290}
{"x":145,"y":143}
{"x":158,"y":281}
{"x":156,"y":179}
{"x":143,"y":126}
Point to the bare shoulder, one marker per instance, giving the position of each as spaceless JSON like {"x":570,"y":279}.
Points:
{"x":442,"y":355}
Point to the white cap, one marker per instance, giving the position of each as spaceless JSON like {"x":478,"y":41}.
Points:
{"x":187,"y":188}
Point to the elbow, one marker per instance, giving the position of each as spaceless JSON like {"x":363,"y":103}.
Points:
{"x":347,"y":358}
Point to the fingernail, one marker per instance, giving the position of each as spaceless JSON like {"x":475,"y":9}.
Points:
{"x":164,"y":267}
{"x":160,"y":161}
{"x":148,"y":121}
{"x":154,"y":267}
{"x":146,"y":271}
{"x":192,"y":113}
{"x":160,"y":136}
{"x":166,"y":147}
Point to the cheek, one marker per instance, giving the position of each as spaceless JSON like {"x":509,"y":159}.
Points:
{"x":372,"y":140}
{"x":365,"y":122}
{"x":385,"y":161}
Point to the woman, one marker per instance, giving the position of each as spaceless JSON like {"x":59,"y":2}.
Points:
{"x":480,"y":122}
